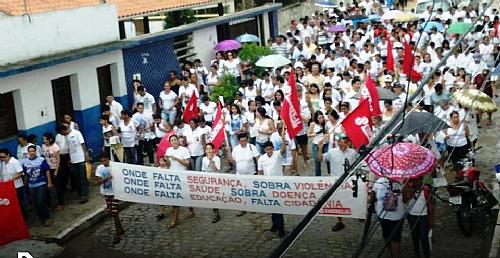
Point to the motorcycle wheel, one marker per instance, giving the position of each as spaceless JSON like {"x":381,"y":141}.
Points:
{"x":464,"y":217}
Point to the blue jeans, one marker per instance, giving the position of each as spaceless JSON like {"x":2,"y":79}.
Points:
{"x":317,"y":163}
{"x":260,"y":147}
{"x":196,"y":162}
{"x":130,"y":155}
{"x":39,"y":195}
{"x":169,"y":116}
{"x":82,"y":182}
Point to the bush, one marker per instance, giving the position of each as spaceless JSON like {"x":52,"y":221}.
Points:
{"x":252,"y":52}
{"x":227,"y":88}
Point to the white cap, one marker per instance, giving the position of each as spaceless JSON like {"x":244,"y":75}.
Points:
{"x":387,"y":78}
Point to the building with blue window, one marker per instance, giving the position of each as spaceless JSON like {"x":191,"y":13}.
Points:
{"x":57,"y":61}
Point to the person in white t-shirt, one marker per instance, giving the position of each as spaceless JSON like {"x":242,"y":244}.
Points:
{"x":207,"y":109}
{"x":168,"y":102}
{"x":211,"y":163}
{"x":195,"y":144}
{"x":129,"y":131}
{"x":114,"y":107}
{"x":103,"y":175}
{"x":11,"y":169}
{"x":270,"y":164}
{"x":147,"y":99}
{"x":177,"y":158}
{"x":290,"y":153}
{"x":78,"y":155}
{"x":244,"y":157}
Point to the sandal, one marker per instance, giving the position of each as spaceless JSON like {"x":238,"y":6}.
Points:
{"x":173,"y":225}
{"x":160,"y":216}
{"x":190,"y":215}
{"x":215,"y":218}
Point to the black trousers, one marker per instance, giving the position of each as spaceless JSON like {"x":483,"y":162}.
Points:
{"x":278,"y":221}
{"x":420,"y":233}
{"x":145,"y":146}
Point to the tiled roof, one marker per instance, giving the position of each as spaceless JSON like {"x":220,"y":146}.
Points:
{"x":126,"y":8}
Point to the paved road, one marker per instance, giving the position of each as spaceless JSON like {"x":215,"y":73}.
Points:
{"x":247,"y":236}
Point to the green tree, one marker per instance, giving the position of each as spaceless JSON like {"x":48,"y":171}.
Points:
{"x":177,"y":18}
{"x":252,"y":53}
{"x":227,"y":88}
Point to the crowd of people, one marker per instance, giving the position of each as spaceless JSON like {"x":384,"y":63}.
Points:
{"x":330,"y":70}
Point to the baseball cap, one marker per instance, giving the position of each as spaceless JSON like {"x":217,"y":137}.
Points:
{"x":387,"y":78}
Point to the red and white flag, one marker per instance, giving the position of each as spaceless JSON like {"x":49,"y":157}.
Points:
{"x":191,"y":109}
{"x":290,"y":109}
{"x":408,"y":62}
{"x":389,"y":62}
{"x":357,"y":124}
{"x":217,"y":135}
{"x":371,"y":94}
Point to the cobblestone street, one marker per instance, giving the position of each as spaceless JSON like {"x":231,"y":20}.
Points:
{"x":248,"y":236}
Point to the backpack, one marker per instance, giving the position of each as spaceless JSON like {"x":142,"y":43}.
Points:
{"x":390,"y":200}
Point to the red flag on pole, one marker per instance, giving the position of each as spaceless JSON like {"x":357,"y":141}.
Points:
{"x":12,"y":223}
{"x":408,"y":62}
{"x":372,"y":96}
{"x":191,"y":109}
{"x":290,"y":110}
{"x":357,"y":124}
{"x":217,"y":134}
{"x":389,"y":62}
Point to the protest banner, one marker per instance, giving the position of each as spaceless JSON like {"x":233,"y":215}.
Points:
{"x":284,"y":194}
{"x":12,"y":225}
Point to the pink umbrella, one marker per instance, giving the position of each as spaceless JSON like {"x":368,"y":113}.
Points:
{"x":337,"y":28}
{"x":401,"y":161}
{"x":227,"y":45}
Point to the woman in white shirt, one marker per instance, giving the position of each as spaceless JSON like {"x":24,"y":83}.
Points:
{"x":213,"y":77}
{"x":177,"y":158}
{"x":265,"y":127}
{"x":211,"y":163}
{"x":457,"y":138}
{"x":195,"y":142}
{"x":168,"y":102}
{"x":232,"y":65}
{"x":316,"y":131}
{"x":250,"y":116}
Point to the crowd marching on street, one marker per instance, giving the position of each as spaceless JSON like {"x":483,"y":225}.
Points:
{"x":340,"y":68}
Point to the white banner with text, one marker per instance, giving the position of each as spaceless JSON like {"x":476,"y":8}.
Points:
{"x":283,"y":194}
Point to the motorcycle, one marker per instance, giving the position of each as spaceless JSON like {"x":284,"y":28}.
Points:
{"x":471,"y":199}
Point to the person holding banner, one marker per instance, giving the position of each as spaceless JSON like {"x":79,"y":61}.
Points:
{"x":39,"y":181}
{"x":245,"y":157}
{"x":270,"y":164}
{"x":289,"y":156}
{"x":103,"y":175}
{"x":178,"y":159}
{"x":211,"y":163}
{"x":11,"y":169}
{"x":339,"y":158}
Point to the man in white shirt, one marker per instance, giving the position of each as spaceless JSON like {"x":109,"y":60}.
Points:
{"x":114,"y":107}
{"x":11,"y":169}
{"x":245,"y":157}
{"x":129,"y":131}
{"x":144,"y":120}
{"x":78,"y":155}
{"x":270,"y":164}
{"x":339,"y":158}
{"x":147,"y":99}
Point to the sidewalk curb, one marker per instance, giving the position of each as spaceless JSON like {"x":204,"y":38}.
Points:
{"x":77,"y":227}
{"x":495,"y":242}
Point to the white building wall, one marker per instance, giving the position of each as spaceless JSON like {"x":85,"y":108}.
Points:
{"x":54,"y":32}
{"x":33,"y":90}
{"x":267,"y":32}
{"x":204,"y":41}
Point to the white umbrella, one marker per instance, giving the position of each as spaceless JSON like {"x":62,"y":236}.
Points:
{"x":272,"y":61}
{"x":392,"y":14}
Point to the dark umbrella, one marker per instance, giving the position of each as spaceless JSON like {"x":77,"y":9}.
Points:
{"x":356,"y":17}
{"x":383,"y":94}
{"x":422,"y":122}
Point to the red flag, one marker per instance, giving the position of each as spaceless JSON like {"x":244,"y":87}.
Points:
{"x":191,"y":109}
{"x":372,"y":96}
{"x":389,"y":62}
{"x":163,"y":145}
{"x":357,"y":124}
{"x":217,"y":134}
{"x":12,"y":222}
{"x":495,"y":28}
{"x":408,"y":62}
{"x":290,"y":110}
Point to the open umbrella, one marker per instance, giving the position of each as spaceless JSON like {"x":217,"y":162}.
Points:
{"x":356,"y":17}
{"x":337,"y":28}
{"x":392,"y":14}
{"x":475,"y":99}
{"x":402,"y":160}
{"x":372,"y":18}
{"x":459,"y":27}
{"x":383,"y":94}
{"x":432,"y":24}
{"x":272,"y":61}
{"x":421,"y":122}
{"x":326,"y":3}
{"x":406,"y":17}
{"x":247,"y":38}
{"x":227,"y":45}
